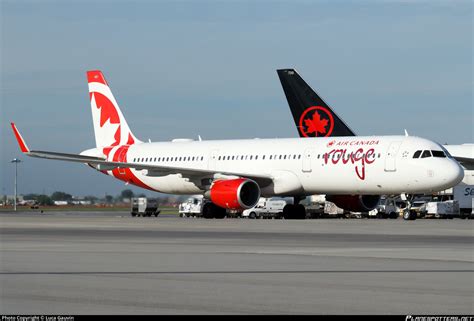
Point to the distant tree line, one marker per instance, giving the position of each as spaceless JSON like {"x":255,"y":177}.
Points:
{"x":124,"y":196}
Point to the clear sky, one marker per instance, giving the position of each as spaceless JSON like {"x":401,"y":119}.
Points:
{"x":181,"y":69}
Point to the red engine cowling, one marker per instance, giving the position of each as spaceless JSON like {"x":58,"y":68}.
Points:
{"x":355,"y":203}
{"x":235,"y":194}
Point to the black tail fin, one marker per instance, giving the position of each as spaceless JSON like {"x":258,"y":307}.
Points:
{"x":313,"y":117}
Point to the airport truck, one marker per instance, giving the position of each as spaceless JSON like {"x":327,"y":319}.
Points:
{"x":464,"y":194}
{"x":266,"y":208}
{"x":142,"y":206}
{"x":446,"y":209}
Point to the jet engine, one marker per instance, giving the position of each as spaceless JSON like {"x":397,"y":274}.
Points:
{"x":235,"y":194}
{"x":355,"y":203}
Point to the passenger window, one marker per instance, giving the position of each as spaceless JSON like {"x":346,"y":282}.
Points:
{"x":299,"y":156}
{"x":263,"y":157}
{"x":202,"y":157}
{"x":438,"y":153}
{"x":417,"y":154}
{"x":270,"y":156}
{"x":426,"y":153}
{"x":256,"y":157}
{"x":251,"y":157}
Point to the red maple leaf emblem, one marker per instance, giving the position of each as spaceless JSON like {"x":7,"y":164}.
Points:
{"x":316,"y":124}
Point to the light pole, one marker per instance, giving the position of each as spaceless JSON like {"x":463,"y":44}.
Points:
{"x":16,"y":161}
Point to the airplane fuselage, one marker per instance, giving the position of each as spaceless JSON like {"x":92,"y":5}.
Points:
{"x":335,"y":165}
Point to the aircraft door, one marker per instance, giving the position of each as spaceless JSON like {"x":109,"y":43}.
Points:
{"x":307,"y":161}
{"x":390,"y":158}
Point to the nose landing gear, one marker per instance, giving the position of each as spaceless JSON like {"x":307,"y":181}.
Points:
{"x":408,"y":214}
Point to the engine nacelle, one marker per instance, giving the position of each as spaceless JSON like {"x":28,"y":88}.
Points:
{"x":235,"y":194}
{"x":355,"y":203}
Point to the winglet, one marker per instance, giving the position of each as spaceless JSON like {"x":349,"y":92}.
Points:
{"x":23,"y":147}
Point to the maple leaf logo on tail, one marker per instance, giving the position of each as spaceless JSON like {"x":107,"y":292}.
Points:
{"x":316,"y":124}
{"x":110,"y":127}
{"x":316,"y":121}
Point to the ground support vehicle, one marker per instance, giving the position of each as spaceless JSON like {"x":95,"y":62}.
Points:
{"x":266,"y":208}
{"x":192,"y":207}
{"x":142,"y":206}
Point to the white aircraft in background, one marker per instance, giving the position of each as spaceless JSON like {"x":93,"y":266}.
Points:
{"x":302,"y":100}
{"x":233,"y":174}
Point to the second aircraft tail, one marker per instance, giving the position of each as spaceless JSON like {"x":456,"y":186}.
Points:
{"x":313,"y":117}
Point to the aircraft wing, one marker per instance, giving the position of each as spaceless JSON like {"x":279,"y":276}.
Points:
{"x":153,"y":170}
{"x":467,"y":163}
{"x":463,"y":153}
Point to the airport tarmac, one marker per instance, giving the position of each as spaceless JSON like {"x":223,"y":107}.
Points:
{"x":110,"y":263}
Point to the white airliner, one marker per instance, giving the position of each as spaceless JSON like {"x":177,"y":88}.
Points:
{"x":233,"y":174}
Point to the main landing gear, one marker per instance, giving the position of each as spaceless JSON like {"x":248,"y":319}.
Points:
{"x":294,"y":211}
{"x":210,"y":210}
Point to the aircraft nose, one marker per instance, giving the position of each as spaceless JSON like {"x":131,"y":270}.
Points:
{"x":454,"y":173}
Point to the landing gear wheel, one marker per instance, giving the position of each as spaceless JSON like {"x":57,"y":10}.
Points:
{"x":252,"y":215}
{"x":294,"y":212}
{"x":210,"y":210}
{"x":393,"y":215}
{"x":409,"y":216}
{"x":207,"y":210}
{"x":288,"y":211}
{"x":219,"y":212}
{"x":300,"y":212}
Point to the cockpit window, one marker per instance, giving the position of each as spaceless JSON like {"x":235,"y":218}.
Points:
{"x":448,"y":155}
{"x":438,"y":153}
{"x":426,"y":153}
{"x":417,"y":154}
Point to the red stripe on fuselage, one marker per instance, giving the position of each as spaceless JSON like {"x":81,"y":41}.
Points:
{"x":125,"y":174}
